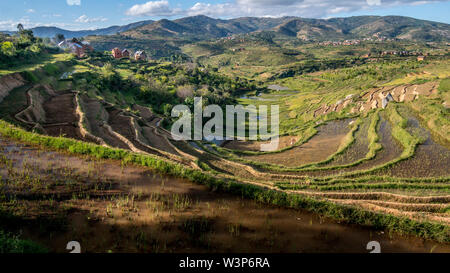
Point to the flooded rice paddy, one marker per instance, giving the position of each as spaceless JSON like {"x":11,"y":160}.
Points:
{"x":431,"y":159}
{"x":325,"y":143}
{"x":109,"y":207}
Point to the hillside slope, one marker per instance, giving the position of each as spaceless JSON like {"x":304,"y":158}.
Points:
{"x":396,"y":27}
{"x":203,"y":27}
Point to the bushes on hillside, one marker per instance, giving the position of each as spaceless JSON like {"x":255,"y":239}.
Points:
{"x":13,"y":244}
{"x":21,"y":49}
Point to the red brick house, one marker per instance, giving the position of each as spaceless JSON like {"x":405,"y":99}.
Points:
{"x":87,"y":46}
{"x":125,"y":53}
{"x":80,"y":49}
{"x":117,"y":54}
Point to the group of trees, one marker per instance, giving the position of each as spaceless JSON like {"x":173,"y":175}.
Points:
{"x":21,"y":48}
{"x":173,"y":83}
{"x":163,"y":85}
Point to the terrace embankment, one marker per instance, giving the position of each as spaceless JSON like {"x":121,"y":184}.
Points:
{"x":390,"y":151}
{"x":97,"y":117}
{"x":149,"y":131}
{"x":60,"y":116}
{"x":430,"y":159}
{"x":107,"y":206}
{"x":10,"y":82}
{"x":157,"y":141}
{"x":34,"y":113}
{"x":318,"y":148}
{"x":15,"y":102}
{"x":357,"y":150}
{"x":128,"y":131}
{"x":285,"y":141}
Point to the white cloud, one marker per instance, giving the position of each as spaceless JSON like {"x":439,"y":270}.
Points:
{"x":11,"y":25}
{"x":85,"y":19}
{"x":152,"y":8}
{"x":31,"y":11}
{"x":73,"y":2}
{"x":374,"y":2}
{"x":8,"y":25}
{"x":269,"y":8}
{"x":214,"y":10}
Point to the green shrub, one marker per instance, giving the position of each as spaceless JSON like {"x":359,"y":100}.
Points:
{"x":29,"y":76}
{"x":51,"y":69}
{"x":13,"y":244}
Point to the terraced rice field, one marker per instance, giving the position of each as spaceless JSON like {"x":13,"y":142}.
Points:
{"x":383,"y":161}
{"x":60,"y":116}
{"x":318,"y":148}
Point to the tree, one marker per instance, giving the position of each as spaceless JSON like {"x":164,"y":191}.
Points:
{"x":26,"y":36}
{"x":59,"y":38}
{"x":20,"y":28}
{"x":8,"y":49}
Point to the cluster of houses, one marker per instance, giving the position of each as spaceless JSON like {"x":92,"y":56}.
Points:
{"x":139,"y":55}
{"x":374,"y":38}
{"x":82,"y":48}
{"x":338,"y":43}
{"x":79,"y":48}
{"x":234,"y":37}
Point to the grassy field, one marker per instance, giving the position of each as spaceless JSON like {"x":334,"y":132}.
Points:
{"x":39,"y":63}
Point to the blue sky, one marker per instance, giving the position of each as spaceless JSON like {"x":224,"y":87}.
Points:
{"x":90,"y":14}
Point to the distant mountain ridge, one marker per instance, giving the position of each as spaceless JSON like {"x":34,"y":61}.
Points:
{"x":395,"y":27}
{"x":49,"y":32}
{"x":202,"y":27}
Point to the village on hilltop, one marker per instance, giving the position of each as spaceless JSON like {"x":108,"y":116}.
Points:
{"x":139,"y":55}
{"x":81,"y":48}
